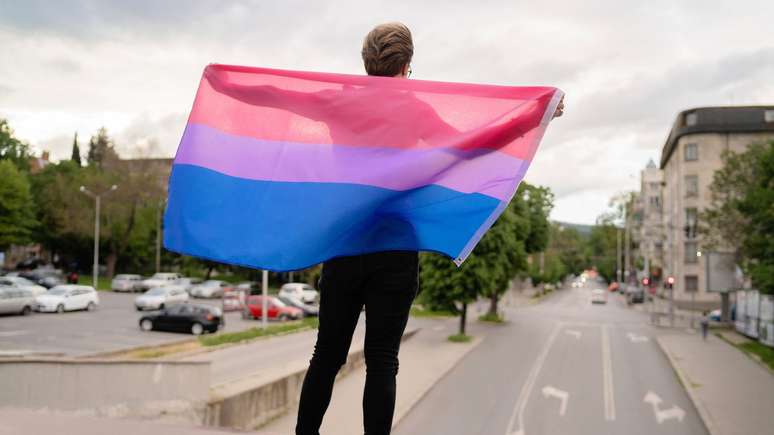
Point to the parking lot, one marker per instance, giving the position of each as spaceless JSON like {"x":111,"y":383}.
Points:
{"x":113,"y":326}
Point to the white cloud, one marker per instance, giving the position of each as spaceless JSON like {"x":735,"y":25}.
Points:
{"x":627,"y":68}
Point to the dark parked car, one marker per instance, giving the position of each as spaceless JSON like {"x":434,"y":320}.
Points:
{"x":309,"y":310}
{"x":191,"y":318}
{"x":46,"y":276}
{"x":634,"y":294}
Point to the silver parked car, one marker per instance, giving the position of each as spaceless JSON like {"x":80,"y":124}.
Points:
{"x":16,"y":301}
{"x":20,"y":283}
{"x":125,"y":282}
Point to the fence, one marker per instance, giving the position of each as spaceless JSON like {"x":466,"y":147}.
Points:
{"x":755,"y":315}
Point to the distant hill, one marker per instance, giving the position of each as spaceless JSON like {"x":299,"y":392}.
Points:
{"x":583,"y":229}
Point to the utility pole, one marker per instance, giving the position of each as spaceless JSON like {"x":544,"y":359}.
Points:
{"x":265,"y":299}
{"x":618,"y":257}
{"x":627,"y":253}
{"x":97,"y":200}
{"x":158,"y":238}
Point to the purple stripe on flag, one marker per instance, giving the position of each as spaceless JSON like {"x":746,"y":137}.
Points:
{"x":484,"y":171}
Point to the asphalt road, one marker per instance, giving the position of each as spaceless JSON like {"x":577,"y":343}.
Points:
{"x":113,"y":326}
{"x":563,"y":366}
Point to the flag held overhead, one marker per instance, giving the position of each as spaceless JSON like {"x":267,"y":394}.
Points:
{"x":282,"y":170}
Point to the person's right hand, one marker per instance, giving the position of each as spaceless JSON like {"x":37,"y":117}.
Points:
{"x":559,"y":109}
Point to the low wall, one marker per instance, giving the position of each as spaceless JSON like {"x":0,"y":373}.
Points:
{"x":254,"y":401}
{"x":106,"y":387}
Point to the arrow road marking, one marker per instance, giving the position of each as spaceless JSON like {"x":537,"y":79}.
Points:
{"x":517,"y":417}
{"x":662,"y":415}
{"x":563,"y":396}
{"x":574,"y":333}
{"x":634,"y":338}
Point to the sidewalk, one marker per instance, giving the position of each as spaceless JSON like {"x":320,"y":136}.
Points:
{"x":733,"y":394}
{"x":424,"y":359}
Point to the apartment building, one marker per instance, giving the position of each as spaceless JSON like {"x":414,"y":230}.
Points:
{"x":690,"y":157}
{"x":648,"y":234}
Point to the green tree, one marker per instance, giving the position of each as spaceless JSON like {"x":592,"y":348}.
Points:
{"x":743,"y":197}
{"x":13,"y":149}
{"x":17,"y":217}
{"x":76,"y":153}
{"x":540,"y":202}
{"x":101,"y":150}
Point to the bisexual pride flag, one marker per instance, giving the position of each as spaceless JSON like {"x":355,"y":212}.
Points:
{"x":282,"y":170}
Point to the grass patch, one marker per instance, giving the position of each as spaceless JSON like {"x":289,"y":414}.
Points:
{"x":418,"y":311}
{"x":492,"y":318}
{"x":161,"y":351}
{"x":765,"y":353}
{"x":249,"y":334}
{"x":460,"y":338}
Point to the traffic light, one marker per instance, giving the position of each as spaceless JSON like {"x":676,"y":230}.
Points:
{"x":645,"y":282}
{"x":669,"y":283}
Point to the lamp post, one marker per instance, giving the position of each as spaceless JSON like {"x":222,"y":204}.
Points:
{"x":97,"y":198}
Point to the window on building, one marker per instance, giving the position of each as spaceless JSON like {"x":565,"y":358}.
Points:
{"x":691,"y":249}
{"x":691,"y":118}
{"x":654,"y":185}
{"x":691,"y":222}
{"x":768,"y":115}
{"x":655,"y":202}
{"x":691,"y":152}
{"x":691,"y":185}
{"x":691,"y":283}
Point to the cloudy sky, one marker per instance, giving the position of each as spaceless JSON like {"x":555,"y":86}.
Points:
{"x":627,"y":67}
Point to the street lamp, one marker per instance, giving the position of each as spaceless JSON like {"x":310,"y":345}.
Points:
{"x":97,"y":198}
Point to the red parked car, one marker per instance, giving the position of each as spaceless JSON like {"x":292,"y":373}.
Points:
{"x":276,"y":309}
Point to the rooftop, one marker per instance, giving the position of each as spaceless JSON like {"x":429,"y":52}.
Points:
{"x":729,"y":119}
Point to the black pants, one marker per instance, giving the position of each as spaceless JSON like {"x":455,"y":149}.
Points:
{"x":386,"y":284}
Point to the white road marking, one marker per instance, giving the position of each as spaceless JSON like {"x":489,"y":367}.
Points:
{"x":662,"y":415}
{"x":517,"y":417}
{"x":562,"y":395}
{"x":607,"y":376}
{"x":12,"y":333}
{"x":574,"y":333}
{"x":634,"y":338}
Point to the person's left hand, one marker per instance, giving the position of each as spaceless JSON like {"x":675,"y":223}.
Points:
{"x":559,"y":109}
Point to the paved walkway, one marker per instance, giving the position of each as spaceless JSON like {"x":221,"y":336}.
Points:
{"x":733,"y":394}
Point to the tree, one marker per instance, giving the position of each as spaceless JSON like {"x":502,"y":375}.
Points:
{"x":540,"y":202}
{"x":76,"y":154}
{"x":101,"y":150}
{"x":17,"y":217}
{"x":12,"y":149}
{"x":743,"y":197}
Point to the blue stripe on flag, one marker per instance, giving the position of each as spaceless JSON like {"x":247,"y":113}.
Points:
{"x":292,"y":225}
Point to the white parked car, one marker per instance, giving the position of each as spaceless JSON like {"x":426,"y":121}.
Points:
{"x":188,"y":283}
{"x":212,"y":288}
{"x":159,"y":298}
{"x":20,"y":283}
{"x":125,"y":282}
{"x":158,"y":280}
{"x":68,"y":297}
{"x":300,"y":291}
{"x":598,"y":296}
{"x":16,"y":301}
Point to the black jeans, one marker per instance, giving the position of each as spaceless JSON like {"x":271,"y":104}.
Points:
{"x":386,"y":284}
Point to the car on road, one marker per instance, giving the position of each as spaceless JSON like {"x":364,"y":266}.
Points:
{"x":634,"y":294}
{"x":125,"y":282}
{"x":598,"y":296}
{"x":16,"y":301}
{"x":46,"y":276}
{"x":307,"y":309}
{"x":212,"y":288}
{"x":303,"y":292}
{"x":159,"y":298}
{"x":68,"y":297}
{"x":192,"y":318}
{"x":20,"y":283}
{"x":158,"y":280}
{"x":276,"y":309}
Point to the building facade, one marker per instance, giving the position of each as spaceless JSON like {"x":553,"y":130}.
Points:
{"x":689,"y":159}
{"x":648,"y":234}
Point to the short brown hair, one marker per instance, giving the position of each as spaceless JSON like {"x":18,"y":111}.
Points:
{"x":387,"y":49}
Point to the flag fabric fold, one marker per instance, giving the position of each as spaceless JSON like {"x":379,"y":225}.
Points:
{"x":282,"y":170}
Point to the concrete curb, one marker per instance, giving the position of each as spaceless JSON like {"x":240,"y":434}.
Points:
{"x":706,"y":418}
{"x":399,"y":416}
{"x":120,"y":352}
